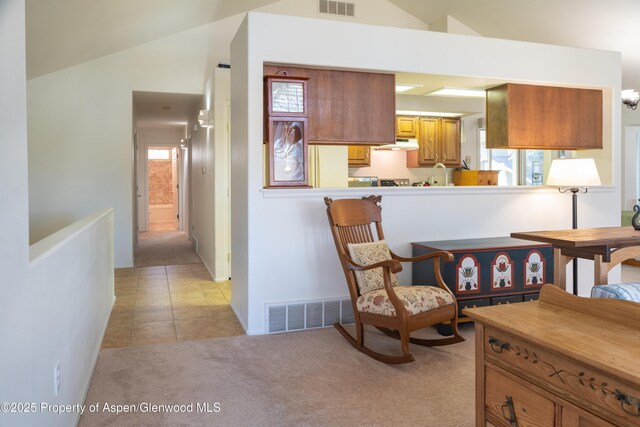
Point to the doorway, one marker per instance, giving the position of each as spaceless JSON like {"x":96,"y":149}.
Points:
{"x":163,"y":176}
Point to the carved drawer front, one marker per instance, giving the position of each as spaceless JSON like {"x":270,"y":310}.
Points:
{"x":574,"y":417}
{"x":507,"y":403}
{"x":601,"y":394}
{"x":471,"y":303}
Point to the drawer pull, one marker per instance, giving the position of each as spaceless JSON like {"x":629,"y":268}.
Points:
{"x":629,"y":404}
{"x":497,"y":345}
{"x":508,"y":405}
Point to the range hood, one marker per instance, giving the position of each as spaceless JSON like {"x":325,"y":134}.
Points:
{"x":402,"y":144}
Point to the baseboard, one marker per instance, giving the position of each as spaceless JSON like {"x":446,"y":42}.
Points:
{"x":242,"y":322}
{"x":206,"y":266}
{"x":96,"y":353}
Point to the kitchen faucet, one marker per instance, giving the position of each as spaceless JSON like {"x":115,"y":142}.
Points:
{"x":444,"y":170}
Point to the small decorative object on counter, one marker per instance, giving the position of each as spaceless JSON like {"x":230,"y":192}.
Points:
{"x":634,"y":220}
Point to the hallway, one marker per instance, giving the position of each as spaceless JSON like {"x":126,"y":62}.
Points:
{"x":164,"y":248}
{"x":169,"y":296}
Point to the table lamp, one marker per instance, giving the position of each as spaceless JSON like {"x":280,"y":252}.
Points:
{"x":575,"y":175}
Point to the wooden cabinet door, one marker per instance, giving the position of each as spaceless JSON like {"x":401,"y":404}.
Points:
{"x":429,"y":133}
{"x":450,"y":142}
{"x":575,"y":417}
{"x":506,"y":401}
{"x":405,"y":127}
{"x":359,"y":155}
{"x":543,"y":117}
{"x":347,"y":106}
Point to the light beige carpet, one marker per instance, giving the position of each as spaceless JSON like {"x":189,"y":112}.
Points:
{"x":308,"y":378}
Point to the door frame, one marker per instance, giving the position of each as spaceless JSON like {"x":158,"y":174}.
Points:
{"x":181,"y":178}
{"x":631,"y":167}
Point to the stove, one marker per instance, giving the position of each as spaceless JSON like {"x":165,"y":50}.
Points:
{"x":397,"y":182}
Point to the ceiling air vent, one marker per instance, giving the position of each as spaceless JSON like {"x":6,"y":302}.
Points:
{"x":341,"y":8}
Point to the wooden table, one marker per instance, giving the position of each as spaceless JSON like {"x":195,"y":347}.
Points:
{"x":560,"y":361}
{"x":607,"y":247}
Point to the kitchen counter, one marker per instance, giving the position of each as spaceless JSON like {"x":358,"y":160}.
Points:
{"x":404,"y":191}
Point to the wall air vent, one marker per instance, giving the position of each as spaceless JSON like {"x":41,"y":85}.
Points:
{"x":307,"y":315}
{"x":341,"y":8}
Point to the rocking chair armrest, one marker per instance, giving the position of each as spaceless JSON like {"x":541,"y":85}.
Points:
{"x":447,"y":256}
{"x":392,"y":264}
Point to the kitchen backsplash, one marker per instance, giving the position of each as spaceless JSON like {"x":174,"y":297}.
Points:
{"x":393,"y":164}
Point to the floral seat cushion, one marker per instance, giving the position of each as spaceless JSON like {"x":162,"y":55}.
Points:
{"x":416,"y":299}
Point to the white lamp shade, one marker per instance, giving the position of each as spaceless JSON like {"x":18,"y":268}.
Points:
{"x":573,"y":173}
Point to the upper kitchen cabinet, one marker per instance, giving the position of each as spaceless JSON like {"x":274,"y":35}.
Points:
{"x":438,"y":142}
{"x":406,"y":127}
{"x":543,"y":117}
{"x":359,"y":156}
{"x":346,"y":107}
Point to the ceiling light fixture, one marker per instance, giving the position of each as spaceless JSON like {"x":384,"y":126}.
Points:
{"x":462,"y":93}
{"x":427,"y":113}
{"x":405,"y":87}
{"x":630,"y":98}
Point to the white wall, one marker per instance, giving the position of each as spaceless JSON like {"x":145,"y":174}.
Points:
{"x":243,"y":159}
{"x":15,"y":291}
{"x":376,"y":12}
{"x":80,"y":117}
{"x":283,"y":251}
{"x":630,"y":154}
{"x":202,"y":186}
{"x":221,"y":149}
{"x":80,"y":122}
{"x":210,"y":148}
{"x":72,"y":282}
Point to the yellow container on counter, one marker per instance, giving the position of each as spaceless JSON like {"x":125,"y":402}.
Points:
{"x":475,"y":177}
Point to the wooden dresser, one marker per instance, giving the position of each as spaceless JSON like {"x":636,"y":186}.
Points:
{"x":559,"y":361}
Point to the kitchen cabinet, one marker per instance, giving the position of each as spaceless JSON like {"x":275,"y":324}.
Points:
{"x":560,"y":361}
{"x":406,"y":127}
{"x":438,"y":141}
{"x":347,"y":107}
{"x":359,"y":155}
{"x":543,"y":117}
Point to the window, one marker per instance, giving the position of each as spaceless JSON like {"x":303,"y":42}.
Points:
{"x":159,"y":154}
{"x":518,"y":167}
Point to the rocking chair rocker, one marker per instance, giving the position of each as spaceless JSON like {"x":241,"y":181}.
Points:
{"x":377,"y":299}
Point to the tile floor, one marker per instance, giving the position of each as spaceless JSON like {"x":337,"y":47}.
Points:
{"x":161,"y":304}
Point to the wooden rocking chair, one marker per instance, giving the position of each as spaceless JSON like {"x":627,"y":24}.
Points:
{"x":376,"y":297}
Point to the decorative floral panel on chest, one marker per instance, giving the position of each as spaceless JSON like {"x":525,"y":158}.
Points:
{"x":499,"y":270}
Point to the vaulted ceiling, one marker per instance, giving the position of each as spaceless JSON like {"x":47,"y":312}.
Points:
{"x":61,"y":33}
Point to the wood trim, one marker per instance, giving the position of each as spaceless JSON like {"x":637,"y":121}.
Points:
{"x":500,"y":248}
{"x":480,"y":364}
{"x":632,"y":262}
{"x":618,"y":311}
